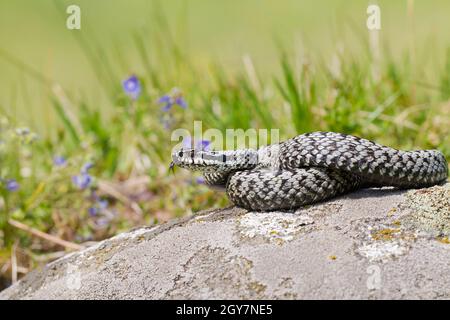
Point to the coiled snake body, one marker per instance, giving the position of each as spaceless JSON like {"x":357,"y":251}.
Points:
{"x":310,"y":168}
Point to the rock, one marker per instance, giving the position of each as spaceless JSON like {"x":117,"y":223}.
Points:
{"x":375,"y":244}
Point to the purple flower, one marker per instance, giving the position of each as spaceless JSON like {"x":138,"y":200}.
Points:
{"x":169,"y":100}
{"x":99,"y":207}
{"x":82,"y":181}
{"x":200,"y":180}
{"x":202,"y":145}
{"x":59,"y":161}
{"x":86,"y":167}
{"x":181,"y":102}
{"x":103,"y":222}
{"x":93,"y":211}
{"x":132,"y":87}
{"x":102,"y":204}
{"x":12,"y":185}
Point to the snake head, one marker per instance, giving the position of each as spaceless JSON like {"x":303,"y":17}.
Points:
{"x":214,"y":161}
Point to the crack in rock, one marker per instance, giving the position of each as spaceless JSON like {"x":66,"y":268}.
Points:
{"x":201,"y":279}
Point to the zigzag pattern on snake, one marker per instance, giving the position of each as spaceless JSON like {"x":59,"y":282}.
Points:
{"x":310,"y":168}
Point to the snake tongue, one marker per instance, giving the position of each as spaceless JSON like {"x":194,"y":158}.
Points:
{"x":172,"y":167}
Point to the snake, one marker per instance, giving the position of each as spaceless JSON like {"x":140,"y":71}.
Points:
{"x":310,"y":168}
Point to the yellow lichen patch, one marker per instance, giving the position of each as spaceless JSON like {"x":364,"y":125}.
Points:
{"x":384,"y":234}
{"x":445,"y":240}
{"x":332,"y":257}
{"x":392,"y":212}
{"x":397,"y":223}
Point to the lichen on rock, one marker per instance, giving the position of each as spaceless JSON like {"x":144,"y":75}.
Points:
{"x":382,"y":242}
{"x":429,"y":209}
{"x":320,"y":252}
{"x":276,"y":227}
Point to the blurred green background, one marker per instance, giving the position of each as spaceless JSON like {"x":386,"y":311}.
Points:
{"x":81,"y":159}
{"x":35,"y":33}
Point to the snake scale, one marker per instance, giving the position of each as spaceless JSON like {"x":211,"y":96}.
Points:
{"x":311,"y":167}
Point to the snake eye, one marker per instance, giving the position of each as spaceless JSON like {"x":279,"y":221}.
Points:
{"x":180,"y":154}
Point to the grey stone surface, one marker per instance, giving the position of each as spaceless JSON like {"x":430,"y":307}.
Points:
{"x":371,"y":244}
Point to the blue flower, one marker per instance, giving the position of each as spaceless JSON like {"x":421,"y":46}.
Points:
{"x":103,"y":222}
{"x":93,"y":211}
{"x":202,"y":145}
{"x":12,"y":185}
{"x":59,"y":161}
{"x":169,"y":100}
{"x":181,"y":102}
{"x":103,"y":204}
{"x":82,"y":181}
{"x":99,"y":207}
{"x":132,"y":87}
{"x":86,"y":167}
{"x":200,"y":180}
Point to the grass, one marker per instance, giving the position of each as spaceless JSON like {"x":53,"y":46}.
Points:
{"x":128,"y":142}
